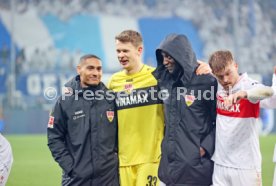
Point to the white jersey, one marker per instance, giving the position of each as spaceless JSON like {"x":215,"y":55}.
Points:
{"x":237,"y":130}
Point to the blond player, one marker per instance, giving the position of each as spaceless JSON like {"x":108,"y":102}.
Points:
{"x":140,"y":118}
{"x":237,"y":154}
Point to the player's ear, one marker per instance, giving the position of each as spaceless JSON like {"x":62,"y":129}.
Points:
{"x":236,"y":65}
{"x":140,"y":50}
{"x":78,"y":69}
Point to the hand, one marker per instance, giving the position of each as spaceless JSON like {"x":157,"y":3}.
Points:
{"x":234,"y":98}
{"x":203,"y":68}
{"x":202,"y":151}
{"x":275,"y":70}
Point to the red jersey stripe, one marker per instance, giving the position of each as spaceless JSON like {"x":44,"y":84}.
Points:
{"x":242,"y":109}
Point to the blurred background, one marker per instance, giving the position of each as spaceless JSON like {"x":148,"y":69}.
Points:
{"x":41,"y":42}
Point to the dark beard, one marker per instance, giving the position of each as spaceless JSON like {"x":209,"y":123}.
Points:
{"x":177,"y":72}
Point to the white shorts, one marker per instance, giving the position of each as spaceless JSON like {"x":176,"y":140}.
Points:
{"x":227,"y":176}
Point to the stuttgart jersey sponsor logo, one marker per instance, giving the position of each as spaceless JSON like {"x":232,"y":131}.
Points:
{"x":242,"y":109}
{"x":137,"y":97}
{"x":233,"y":108}
{"x":132,"y":99}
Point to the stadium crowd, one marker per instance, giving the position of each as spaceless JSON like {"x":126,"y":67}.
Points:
{"x":245,"y":23}
{"x":244,"y":27}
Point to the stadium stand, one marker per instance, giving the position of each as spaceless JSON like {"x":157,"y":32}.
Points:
{"x":51,"y":35}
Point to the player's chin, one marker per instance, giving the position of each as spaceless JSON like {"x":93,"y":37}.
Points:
{"x":227,"y":87}
{"x":170,"y":70}
{"x":94,"y":83}
{"x":124,"y":65}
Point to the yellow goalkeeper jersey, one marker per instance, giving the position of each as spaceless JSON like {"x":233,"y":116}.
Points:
{"x":140,"y":116}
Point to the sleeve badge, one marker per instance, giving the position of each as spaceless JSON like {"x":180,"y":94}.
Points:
{"x":51,"y":122}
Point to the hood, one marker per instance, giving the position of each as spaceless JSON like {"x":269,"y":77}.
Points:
{"x":74,"y":84}
{"x":178,"y":47}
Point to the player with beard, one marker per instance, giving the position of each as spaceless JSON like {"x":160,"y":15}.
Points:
{"x":82,"y":129}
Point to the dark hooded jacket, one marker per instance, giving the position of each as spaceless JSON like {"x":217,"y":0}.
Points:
{"x":190,"y":115}
{"x":82,"y":136}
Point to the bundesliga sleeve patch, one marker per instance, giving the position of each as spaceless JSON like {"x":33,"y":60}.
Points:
{"x":51,"y":122}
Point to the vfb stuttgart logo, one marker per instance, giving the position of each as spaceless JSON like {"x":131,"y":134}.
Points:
{"x":189,"y":99}
{"x":110,"y":115}
{"x":128,"y":88}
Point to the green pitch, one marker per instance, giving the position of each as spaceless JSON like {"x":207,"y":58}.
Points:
{"x":34,"y":165}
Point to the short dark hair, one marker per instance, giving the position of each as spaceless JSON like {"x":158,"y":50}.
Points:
{"x":88,"y":56}
{"x":220,"y":59}
{"x":131,"y":36}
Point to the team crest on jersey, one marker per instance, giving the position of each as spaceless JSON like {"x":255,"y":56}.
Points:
{"x":189,"y":99}
{"x":128,"y":88}
{"x":110,"y":115}
{"x":51,"y":122}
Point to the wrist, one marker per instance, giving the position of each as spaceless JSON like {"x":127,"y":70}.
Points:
{"x":244,"y":94}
